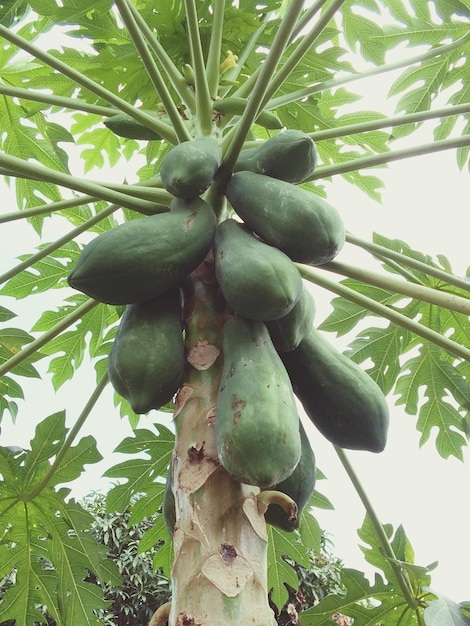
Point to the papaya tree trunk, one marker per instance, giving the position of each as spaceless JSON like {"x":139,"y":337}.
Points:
{"x":219,"y":573}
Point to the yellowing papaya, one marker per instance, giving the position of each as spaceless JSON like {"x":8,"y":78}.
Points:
{"x":291,"y":155}
{"x":288,"y":331}
{"x":340,"y":398}
{"x":298,"y":222}
{"x":187,"y":169}
{"x":140,"y":259}
{"x":256,"y":424}
{"x":299,"y":486}
{"x":257,"y":280}
{"x":146,"y":361}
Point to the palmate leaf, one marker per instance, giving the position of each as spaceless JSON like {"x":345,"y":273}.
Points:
{"x":426,"y":367}
{"x":294,"y":546}
{"x":445,"y":612}
{"x":367,"y":604}
{"x":140,"y":473}
{"x":44,"y":535}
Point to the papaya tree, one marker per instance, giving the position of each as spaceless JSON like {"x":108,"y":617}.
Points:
{"x":185,"y":279}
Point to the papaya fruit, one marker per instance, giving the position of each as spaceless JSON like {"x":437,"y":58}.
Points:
{"x":340,"y":398}
{"x":235,"y":105}
{"x":291,"y":155}
{"x":288,"y":331}
{"x":146,"y":361}
{"x":126,"y":126}
{"x":140,"y":259}
{"x":299,"y":486}
{"x":256,"y":280}
{"x":256,"y":424}
{"x":298,"y":222}
{"x":188,"y":168}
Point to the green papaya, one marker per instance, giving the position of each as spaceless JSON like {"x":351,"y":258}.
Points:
{"x":257,"y":280}
{"x":340,"y":398}
{"x":291,"y":155}
{"x":188,"y":169}
{"x":235,"y":105}
{"x":256,"y":424}
{"x":299,"y":486}
{"x":146,"y":361}
{"x":126,"y":126}
{"x":288,"y":331}
{"x":140,"y":259}
{"x":298,"y":222}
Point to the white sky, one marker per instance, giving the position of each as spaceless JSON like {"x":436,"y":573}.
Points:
{"x":426,"y":204}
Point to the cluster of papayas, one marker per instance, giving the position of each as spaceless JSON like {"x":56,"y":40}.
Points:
{"x":271,"y":350}
{"x":142,"y":264}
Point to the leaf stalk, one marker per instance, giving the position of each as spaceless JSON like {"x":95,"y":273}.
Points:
{"x":379,"y":530}
{"x":392,"y":315}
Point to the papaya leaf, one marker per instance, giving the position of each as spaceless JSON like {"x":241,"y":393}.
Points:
{"x":45,"y":538}
{"x":281,"y":547}
{"x":366,"y":604}
{"x":164,"y":556}
{"x":445,"y":612}
{"x":6,"y":314}
{"x":140,"y":473}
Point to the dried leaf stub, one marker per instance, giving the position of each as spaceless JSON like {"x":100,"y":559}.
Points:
{"x":255,"y":517}
{"x":193,"y":475}
{"x":227,"y":570}
{"x":182,"y":397}
{"x":203,"y":355}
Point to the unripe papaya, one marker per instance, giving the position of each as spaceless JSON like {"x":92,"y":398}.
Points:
{"x":288,"y":331}
{"x":257,"y":280}
{"x":146,"y":361}
{"x":299,"y":486}
{"x":298,"y":222}
{"x":126,"y":126}
{"x":257,"y":424}
{"x":291,"y":155}
{"x":143,"y":258}
{"x":234,"y":105}
{"x":188,"y":169}
{"x":340,"y":398}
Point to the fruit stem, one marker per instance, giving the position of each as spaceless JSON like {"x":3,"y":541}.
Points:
{"x":215,"y":48}
{"x":271,"y":496}
{"x":153,"y":72}
{"x":49,"y":249}
{"x":70,"y":438}
{"x":203,"y":96}
{"x":451,"y":302}
{"x":392,"y":315}
{"x":85,"y":82}
{"x":403,"y":259}
{"x":379,"y":530}
{"x":387,"y":157}
{"x":41,"y":341}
